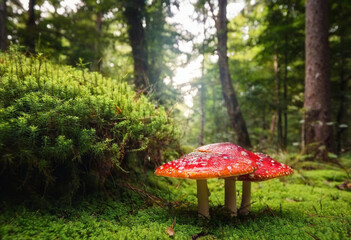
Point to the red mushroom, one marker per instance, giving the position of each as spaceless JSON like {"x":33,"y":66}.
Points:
{"x":202,"y":166}
{"x":268,"y":168}
{"x":229,"y":183}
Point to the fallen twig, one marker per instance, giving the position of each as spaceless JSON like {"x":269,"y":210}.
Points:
{"x":314,"y":237}
{"x":159,"y":201}
{"x":270,"y":210}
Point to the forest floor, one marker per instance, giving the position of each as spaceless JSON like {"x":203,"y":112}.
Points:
{"x":307,"y":205}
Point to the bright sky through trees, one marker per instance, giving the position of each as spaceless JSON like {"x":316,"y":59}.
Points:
{"x":185,"y":18}
{"x":47,"y":7}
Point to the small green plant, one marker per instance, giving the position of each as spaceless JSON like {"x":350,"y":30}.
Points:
{"x":60,"y":126}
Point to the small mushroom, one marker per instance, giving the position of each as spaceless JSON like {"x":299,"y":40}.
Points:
{"x":202,"y":166}
{"x":268,"y":168}
{"x":238,"y":152}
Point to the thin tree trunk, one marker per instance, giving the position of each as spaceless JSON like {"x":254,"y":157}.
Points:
{"x":233,"y":109}
{"x":203,"y":90}
{"x":285,"y":95}
{"x":134,"y":14}
{"x":263,"y":138}
{"x":272,"y":128}
{"x":278,"y":101}
{"x":203,"y":113}
{"x":99,"y":21}
{"x":285,"y":80}
{"x":31,"y":32}
{"x":3,"y":20}
{"x":318,"y":134}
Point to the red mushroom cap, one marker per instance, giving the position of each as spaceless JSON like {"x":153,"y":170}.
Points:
{"x":201,"y":165}
{"x":268,"y":169}
{"x":233,"y":150}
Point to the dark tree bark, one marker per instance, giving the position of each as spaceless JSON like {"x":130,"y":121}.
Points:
{"x":3,"y":20}
{"x":231,"y":102}
{"x":318,"y":133}
{"x":31,"y":31}
{"x":134,"y":14}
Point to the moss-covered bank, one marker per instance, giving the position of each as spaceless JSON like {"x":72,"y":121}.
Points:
{"x":64,"y":129}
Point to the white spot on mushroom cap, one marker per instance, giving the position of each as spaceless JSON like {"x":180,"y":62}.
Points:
{"x":244,"y":153}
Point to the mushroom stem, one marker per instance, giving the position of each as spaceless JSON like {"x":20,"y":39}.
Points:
{"x":230,"y":196}
{"x":202,"y":198}
{"x":246,"y":198}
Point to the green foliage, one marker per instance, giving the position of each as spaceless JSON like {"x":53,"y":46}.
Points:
{"x":291,"y":208}
{"x":59,"y":125}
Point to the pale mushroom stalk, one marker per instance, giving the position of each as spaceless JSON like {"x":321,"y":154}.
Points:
{"x":241,"y":155}
{"x":230,"y":196}
{"x":202,"y":198}
{"x":246,"y":198}
{"x":201,"y":166}
{"x":268,"y":168}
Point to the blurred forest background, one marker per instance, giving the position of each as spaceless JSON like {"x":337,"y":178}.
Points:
{"x":235,"y":72}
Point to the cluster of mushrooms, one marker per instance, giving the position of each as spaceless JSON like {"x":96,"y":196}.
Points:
{"x":228,"y":161}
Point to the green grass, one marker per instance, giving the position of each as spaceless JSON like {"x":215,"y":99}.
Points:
{"x":306,"y":205}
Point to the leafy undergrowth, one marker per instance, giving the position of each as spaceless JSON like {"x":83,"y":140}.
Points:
{"x":306,"y":205}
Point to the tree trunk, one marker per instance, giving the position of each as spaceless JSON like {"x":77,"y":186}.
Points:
{"x":203,"y":113}
{"x":285,"y":81}
{"x":285,"y":97}
{"x":278,"y":101}
{"x":134,"y":14}
{"x":264,"y":137}
{"x":272,"y":127}
{"x":318,"y":134}
{"x":203,"y":89}
{"x":3,"y":19}
{"x":31,"y":31}
{"x":233,"y":109}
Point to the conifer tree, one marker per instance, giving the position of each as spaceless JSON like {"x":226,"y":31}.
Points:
{"x":318,"y":134}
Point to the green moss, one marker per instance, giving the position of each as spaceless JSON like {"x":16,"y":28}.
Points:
{"x":60,"y":127}
{"x":283,"y":209}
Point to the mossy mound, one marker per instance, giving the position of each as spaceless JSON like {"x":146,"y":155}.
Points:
{"x":62,"y":128}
